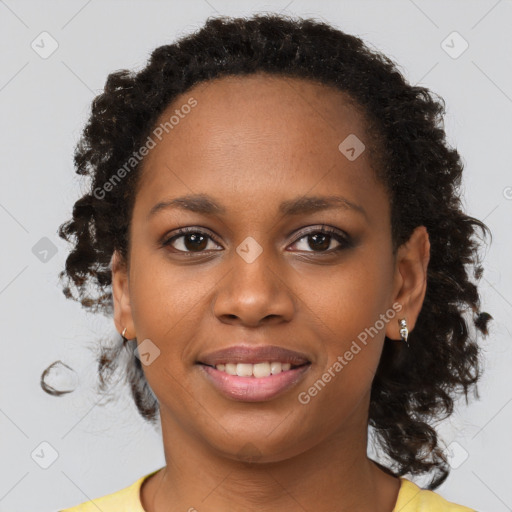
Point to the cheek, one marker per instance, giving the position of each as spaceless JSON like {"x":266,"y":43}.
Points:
{"x":349,"y":306}
{"x":170,"y":305}
{"x":163,"y":296}
{"x":350,"y":297}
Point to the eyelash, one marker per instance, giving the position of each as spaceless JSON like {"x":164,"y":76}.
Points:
{"x":344,"y":240}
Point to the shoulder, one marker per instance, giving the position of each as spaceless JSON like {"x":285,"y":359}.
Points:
{"x":126,"y":499}
{"x":412,"y":498}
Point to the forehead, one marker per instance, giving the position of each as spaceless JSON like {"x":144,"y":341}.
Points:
{"x":258,"y":132}
{"x":261,"y":107}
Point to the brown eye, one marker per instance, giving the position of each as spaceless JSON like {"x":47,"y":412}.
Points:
{"x":190,"y":241}
{"x":321,"y":240}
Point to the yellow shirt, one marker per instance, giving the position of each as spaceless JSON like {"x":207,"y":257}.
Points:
{"x":411,"y":498}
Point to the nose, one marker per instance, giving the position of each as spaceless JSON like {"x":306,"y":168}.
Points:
{"x":253,"y":294}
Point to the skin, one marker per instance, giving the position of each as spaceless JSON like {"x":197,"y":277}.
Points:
{"x":250,"y":143}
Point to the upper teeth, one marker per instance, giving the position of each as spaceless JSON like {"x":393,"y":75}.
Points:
{"x":257,"y":370}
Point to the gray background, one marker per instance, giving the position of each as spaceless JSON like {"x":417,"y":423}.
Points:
{"x":103,"y":447}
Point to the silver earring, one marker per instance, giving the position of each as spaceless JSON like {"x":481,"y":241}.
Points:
{"x":404,"y":331}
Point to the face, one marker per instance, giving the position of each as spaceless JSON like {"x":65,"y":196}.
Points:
{"x":290,"y":247}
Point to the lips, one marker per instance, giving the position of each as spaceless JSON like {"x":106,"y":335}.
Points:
{"x":241,"y":372}
{"x":253,"y":355}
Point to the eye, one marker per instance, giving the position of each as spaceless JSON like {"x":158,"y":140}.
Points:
{"x":320,"y":240}
{"x":190,"y":240}
{"x":193,"y":240}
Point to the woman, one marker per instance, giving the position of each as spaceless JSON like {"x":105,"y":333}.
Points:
{"x":273,"y":221}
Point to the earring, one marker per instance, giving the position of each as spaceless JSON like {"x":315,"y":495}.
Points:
{"x":122,"y":335}
{"x":404,"y":331}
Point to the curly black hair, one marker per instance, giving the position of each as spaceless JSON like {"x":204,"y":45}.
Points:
{"x":411,"y":157}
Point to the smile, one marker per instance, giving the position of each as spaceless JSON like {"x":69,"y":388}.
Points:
{"x":254,"y":382}
{"x":253,"y":373}
{"x":257,"y":370}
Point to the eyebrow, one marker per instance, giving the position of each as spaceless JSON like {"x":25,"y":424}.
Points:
{"x":206,"y":205}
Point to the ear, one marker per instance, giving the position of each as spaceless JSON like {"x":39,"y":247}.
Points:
{"x":121,"y":296}
{"x":410,"y":280}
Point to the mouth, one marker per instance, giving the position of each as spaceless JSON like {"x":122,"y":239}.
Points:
{"x":255,"y":370}
{"x":254,"y":374}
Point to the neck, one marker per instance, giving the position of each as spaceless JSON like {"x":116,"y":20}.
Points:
{"x":335,"y":474}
